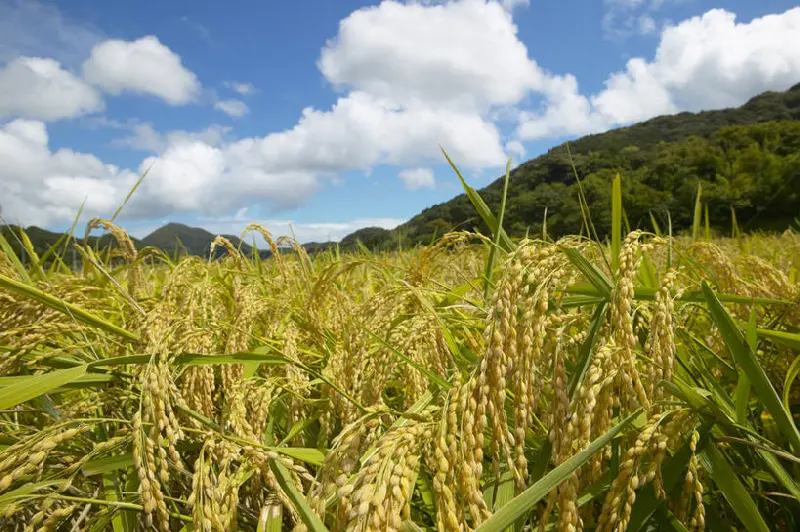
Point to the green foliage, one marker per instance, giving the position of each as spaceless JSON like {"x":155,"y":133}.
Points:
{"x":747,"y":159}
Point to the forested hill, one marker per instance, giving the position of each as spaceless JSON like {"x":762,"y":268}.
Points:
{"x":748,"y":158}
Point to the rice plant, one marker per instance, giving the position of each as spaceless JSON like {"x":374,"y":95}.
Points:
{"x":646,"y":382}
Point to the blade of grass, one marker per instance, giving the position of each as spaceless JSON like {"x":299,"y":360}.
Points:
{"x":596,"y":277}
{"x":698,"y":213}
{"x":493,"y":251}
{"x":743,"y":385}
{"x":748,"y":363}
{"x":480,"y":206}
{"x":616,"y":223}
{"x":719,"y":468}
{"x":74,"y":311}
{"x":287,"y":484}
{"x":11,"y":396}
{"x":520,"y":505}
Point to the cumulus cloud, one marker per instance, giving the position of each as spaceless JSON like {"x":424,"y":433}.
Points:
{"x":242,"y":88}
{"x":416,"y":178}
{"x":623,"y":18}
{"x":232,"y":108}
{"x":144,"y":137}
{"x":32,"y":87}
{"x":39,"y":186}
{"x":463,"y":54}
{"x":705,"y":62}
{"x":143,"y":66}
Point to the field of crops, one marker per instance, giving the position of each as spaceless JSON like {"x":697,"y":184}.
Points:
{"x":641,"y":383}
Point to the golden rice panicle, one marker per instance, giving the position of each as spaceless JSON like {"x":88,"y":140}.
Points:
{"x":692,"y":493}
{"x":383,"y":487}
{"x":619,"y":500}
{"x":444,"y":462}
{"x":222,"y":242}
{"x":341,"y":463}
{"x":661,"y":342}
{"x":127,"y":249}
{"x":29,"y":455}
{"x":631,"y":389}
{"x":156,"y":431}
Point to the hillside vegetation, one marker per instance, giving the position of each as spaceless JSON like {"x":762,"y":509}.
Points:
{"x":746,"y":158}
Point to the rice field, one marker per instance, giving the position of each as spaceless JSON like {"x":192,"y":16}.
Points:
{"x":480,"y":383}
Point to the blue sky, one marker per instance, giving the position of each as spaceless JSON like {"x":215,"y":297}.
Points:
{"x":328,"y":115}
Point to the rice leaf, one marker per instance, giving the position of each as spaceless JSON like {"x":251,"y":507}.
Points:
{"x":616,"y":223}
{"x":719,"y":468}
{"x":74,"y":311}
{"x":19,"y":392}
{"x":747,"y":361}
{"x":287,"y":484}
{"x":520,"y":505}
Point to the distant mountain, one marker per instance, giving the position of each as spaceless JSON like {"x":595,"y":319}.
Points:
{"x":745,"y":157}
{"x":194,"y":240}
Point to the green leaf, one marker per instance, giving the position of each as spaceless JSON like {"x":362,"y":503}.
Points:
{"x":304,"y":454}
{"x":743,"y":386}
{"x":791,"y":376}
{"x":524,"y":502}
{"x":271,"y":519}
{"x":19,"y":392}
{"x":594,"y":275}
{"x":287,"y":484}
{"x":483,"y":209}
{"x":99,"y":466}
{"x":698,"y":213}
{"x":587,"y":348}
{"x":493,"y":251}
{"x":12,"y":257}
{"x":74,"y":311}
{"x":616,"y":222}
{"x":732,"y":488}
{"x":747,"y":362}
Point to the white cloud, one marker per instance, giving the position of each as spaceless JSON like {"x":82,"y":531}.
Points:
{"x":510,"y":5}
{"x":41,"y":187}
{"x":32,"y":87}
{"x":462,"y":54}
{"x":232,"y":108}
{"x":144,"y":66}
{"x":706,"y":62}
{"x":624,"y":18}
{"x":242,"y":88}
{"x":515,"y":147}
{"x":362,"y":131}
{"x":417,"y":178}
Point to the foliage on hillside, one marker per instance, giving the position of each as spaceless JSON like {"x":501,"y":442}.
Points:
{"x":746,"y":158}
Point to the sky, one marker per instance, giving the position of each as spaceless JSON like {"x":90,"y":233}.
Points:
{"x":319,"y":117}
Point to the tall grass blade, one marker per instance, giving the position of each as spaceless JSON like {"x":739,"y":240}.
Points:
{"x":520,"y":505}
{"x":493,"y":251}
{"x":743,"y":385}
{"x":698,"y":213}
{"x":17,"y":393}
{"x":616,"y":223}
{"x":80,"y":314}
{"x":747,"y":362}
{"x":483,"y":209}
{"x":726,"y":479}
{"x":286,"y":482}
